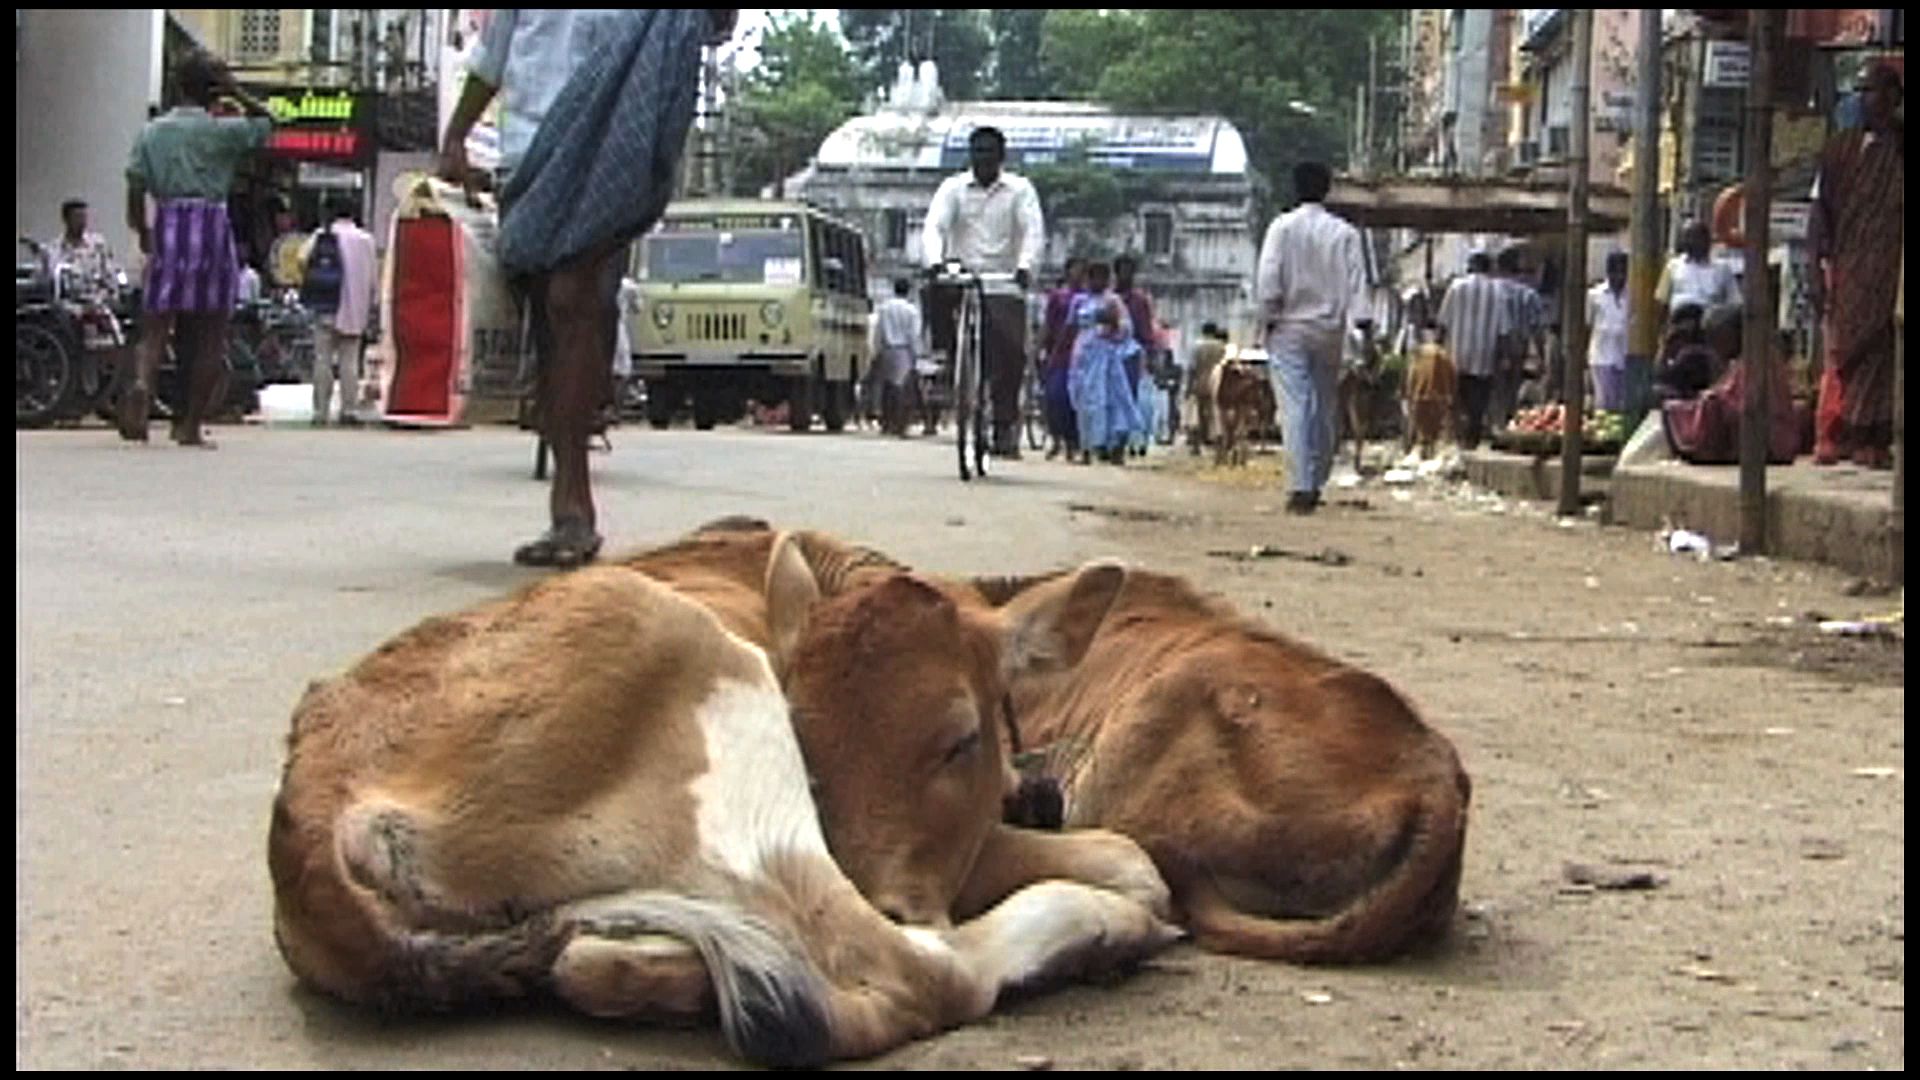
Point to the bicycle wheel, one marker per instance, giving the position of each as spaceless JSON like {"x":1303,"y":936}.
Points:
{"x":1034,"y":412}
{"x":966,"y":379}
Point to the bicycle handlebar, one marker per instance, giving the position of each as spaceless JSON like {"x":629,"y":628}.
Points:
{"x":953,"y":273}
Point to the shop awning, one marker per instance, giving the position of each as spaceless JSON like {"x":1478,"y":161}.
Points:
{"x":1456,"y":205}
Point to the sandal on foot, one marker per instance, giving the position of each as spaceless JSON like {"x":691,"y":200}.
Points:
{"x":563,"y":546}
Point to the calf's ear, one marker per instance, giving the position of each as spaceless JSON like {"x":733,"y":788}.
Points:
{"x":1048,"y":627}
{"x":791,"y":593}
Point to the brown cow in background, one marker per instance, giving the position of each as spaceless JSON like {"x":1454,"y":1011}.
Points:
{"x":1297,"y":806}
{"x":1242,"y":407}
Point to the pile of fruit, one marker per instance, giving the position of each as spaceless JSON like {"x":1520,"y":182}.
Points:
{"x":1542,"y":426}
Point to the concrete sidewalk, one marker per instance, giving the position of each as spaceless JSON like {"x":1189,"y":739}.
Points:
{"x":1840,"y":515}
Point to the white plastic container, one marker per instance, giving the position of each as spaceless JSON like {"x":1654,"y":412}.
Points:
{"x":285,"y":404}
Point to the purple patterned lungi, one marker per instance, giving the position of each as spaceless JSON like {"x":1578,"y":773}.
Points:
{"x":194,"y":268}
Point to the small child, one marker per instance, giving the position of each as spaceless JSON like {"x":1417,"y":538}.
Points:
{"x":1429,"y":389}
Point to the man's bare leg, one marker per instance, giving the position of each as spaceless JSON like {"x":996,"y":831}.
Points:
{"x":575,"y":379}
{"x":136,"y":393}
{"x":203,"y":347}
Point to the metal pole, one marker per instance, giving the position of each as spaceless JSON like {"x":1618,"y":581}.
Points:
{"x":1759,"y":342}
{"x":1643,"y":343}
{"x":1373,"y":103}
{"x":1575,"y":279}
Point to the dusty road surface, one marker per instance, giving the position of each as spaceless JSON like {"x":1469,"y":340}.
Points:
{"x":1655,"y":720}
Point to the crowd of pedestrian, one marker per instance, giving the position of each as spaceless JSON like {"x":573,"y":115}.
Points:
{"x":591,"y":100}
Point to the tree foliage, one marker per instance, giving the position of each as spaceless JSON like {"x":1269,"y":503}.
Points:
{"x":958,"y":40}
{"x":805,"y":86}
{"x":1018,"y":74}
{"x":1250,"y":67}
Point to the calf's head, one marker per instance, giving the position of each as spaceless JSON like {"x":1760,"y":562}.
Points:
{"x":898,"y":690}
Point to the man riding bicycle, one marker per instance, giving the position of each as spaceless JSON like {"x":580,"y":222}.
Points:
{"x":989,"y":220}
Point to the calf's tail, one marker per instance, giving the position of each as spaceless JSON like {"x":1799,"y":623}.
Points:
{"x":1412,"y":902}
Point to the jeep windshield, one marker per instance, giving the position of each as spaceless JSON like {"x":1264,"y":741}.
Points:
{"x":743,"y":257}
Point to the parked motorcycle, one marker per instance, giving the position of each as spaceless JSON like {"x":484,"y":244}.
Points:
{"x":64,"y":340}
{"x":69,"y":340}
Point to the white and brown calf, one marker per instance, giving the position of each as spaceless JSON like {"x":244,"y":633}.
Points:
{"x":593,"y":788}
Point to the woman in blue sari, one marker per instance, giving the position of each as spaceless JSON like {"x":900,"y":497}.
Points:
{"x":1103,"y":400}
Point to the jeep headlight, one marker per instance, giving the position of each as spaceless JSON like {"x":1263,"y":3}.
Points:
{"x":663,"y":315}
{"x":773,"y":312}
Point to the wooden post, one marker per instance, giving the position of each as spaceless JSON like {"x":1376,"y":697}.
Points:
{"x":1574,"y":289}
{"x":1643,"y":343}
{"x":1899,"y":402}
{"x":1759,"y":341}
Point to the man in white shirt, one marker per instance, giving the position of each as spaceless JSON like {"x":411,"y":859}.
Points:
{"x":988,"y":219}
{"x":1607,"y":314}
{"x":1476,"y":315}
{"x":1312,"y":280}
{"x":895,"y":346}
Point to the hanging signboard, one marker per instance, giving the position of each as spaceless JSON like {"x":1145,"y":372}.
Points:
{"x":1728,"y":65}
{"x":334,"y":127}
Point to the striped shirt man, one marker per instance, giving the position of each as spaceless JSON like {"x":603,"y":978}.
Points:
{"x":1476,"y":311}
{"x":1527,"y":314}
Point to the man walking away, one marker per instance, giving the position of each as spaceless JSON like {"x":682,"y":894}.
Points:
{"x":1525,"y":335}
{"x":1474,"y":313}
{"x":187,"y":160}
{"x":989,"y":219}
{"x":337,"y":285}
{"x":895,"y":349}
{"x":1312,"y":279}
{"x":1607,"y":314}
{"x":596,"y":109}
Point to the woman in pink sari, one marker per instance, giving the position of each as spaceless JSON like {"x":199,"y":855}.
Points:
{"x":1856,"y":243}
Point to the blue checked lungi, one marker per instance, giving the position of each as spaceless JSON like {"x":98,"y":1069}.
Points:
{"x":602,"y":166}
{"x":193,"y":268}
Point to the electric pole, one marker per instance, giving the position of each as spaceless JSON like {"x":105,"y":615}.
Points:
{"x":1643,"y":343}
{"x":1759,"y":340}
{"x":1575,"y":289}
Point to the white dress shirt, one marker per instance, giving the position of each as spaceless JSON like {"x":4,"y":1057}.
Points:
{"x":1312,"y":275}
{"x":1708,"y":284}
{"x":995,"y":229}
{"x":1607,"y":315}
{"x":896,"y":325}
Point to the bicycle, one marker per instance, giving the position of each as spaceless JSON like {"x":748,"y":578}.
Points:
{"x":1033,"y":404}
{"x":971,"y":379}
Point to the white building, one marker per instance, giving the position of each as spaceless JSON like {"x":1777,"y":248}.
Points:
{"x":1187,"y":214}
{"x":82,"y":82}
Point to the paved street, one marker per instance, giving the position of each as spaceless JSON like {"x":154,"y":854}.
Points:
{"x":1611,"y":703}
